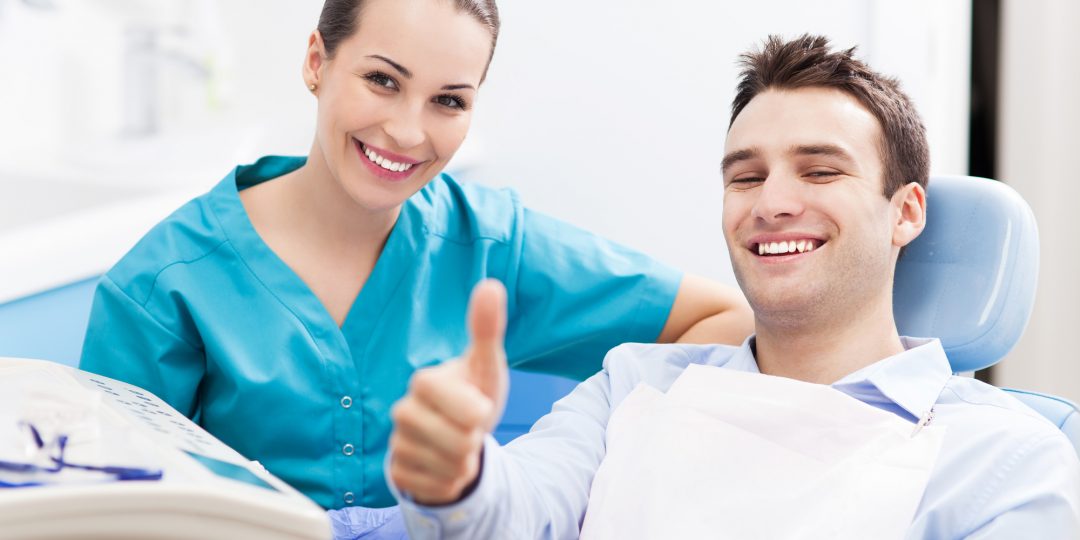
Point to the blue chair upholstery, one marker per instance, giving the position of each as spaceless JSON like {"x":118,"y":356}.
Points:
{"x":970,"y":279}
{"x":49,"y":325}
{"x":531,"y":396}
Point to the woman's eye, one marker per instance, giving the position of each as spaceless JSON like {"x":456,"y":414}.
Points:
{"x":379,"y":78}
{"x":451,"y":101}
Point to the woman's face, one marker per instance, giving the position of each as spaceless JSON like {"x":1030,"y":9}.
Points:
{"x":396,"y":100}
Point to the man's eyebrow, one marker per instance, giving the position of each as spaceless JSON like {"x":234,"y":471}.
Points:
{"x":401,"y":69}
{"x":821,"y":150}
{"x":737,"y":156}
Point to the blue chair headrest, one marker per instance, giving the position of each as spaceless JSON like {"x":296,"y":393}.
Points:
{"x":970,"y":277}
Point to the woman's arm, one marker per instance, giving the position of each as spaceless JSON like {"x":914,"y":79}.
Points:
{"x":707,"y":312}
{"x":125,"y":342}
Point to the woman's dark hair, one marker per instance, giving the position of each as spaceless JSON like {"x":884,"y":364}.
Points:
{"x":340,"y":18}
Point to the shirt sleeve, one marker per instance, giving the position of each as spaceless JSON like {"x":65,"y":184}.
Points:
{"x":535,"y":487}
{"x":1036,"y":496}
{"x":125,"y":342}
{"x":577,"y":295}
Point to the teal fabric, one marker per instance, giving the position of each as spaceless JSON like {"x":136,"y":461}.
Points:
{"x":202,"y":313}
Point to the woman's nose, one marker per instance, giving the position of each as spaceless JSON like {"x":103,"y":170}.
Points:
{"x":405,"y":125}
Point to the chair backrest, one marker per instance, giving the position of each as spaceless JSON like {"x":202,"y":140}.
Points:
{"x":970,"y":279}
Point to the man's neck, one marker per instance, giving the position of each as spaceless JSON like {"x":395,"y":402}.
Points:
{"x":824,"y":352}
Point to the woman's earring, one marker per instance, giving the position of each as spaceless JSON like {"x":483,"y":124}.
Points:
{"x":312,"y":87}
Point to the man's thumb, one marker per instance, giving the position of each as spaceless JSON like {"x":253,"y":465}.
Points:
{"x":486,"y":358}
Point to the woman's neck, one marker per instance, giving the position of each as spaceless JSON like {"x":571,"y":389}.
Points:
{"x":316,"y":203}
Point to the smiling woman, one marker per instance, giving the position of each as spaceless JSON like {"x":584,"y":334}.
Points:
{"x":286,"y":309}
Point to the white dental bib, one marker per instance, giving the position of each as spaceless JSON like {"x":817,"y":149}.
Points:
{"x":729,"y":454}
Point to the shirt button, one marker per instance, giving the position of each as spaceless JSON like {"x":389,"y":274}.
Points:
{"x":346,"y":402}
{"x":347,"y":449}
{"x":348,"y":497}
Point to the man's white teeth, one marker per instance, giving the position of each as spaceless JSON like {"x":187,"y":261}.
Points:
{"x":386,"y":163}
{"x":780,"y":248}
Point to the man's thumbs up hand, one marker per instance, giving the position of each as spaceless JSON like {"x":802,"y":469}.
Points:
{"x":485,"y":361}
{"x":439,"y":425}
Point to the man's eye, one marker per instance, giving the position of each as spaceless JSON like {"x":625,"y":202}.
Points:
{"x":451,"y":101}
{"x":379,"y":78}
{"x":822,"y":174}
{"x":748,"y":181}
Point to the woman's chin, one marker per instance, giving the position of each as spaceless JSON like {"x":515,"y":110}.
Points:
{"x":377,"y":197}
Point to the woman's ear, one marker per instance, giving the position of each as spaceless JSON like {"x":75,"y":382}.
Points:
{"x":314,"y":62}
{"x":909,"y":203}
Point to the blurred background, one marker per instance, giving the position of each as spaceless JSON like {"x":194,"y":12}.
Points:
{"x":610,"y":115}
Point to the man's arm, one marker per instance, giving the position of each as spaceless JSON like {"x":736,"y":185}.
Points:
{"x":535,"y":487}
{"x":451,"y":477}
{"x":1038,"y":496}
{"x":705,"y":311}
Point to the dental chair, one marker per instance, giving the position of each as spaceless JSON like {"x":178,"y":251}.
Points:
{"x":975,"y":296}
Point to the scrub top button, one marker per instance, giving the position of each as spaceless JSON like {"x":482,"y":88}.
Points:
{"x":347,"y":449}
{"x":346,"y":402}
{"x":348,"y":497}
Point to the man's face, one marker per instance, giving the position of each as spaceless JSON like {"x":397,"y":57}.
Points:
{"x":807,"y":227}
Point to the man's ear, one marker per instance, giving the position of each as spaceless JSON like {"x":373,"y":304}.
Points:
{"x":909,"y":202}
{"x":314,"y":61}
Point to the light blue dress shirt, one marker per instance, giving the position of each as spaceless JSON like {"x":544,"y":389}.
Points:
{"x":1003,"y":470}
{"x":203,"y":313}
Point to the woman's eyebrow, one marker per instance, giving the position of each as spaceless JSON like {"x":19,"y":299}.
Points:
{"x":400,"y":68}
{"x":408,"y":74}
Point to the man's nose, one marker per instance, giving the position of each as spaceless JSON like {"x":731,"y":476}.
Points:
{"x":405,"y":125}
{"x":779,"y":198}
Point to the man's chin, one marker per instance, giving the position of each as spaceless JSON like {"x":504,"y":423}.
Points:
{"x":785,"y":307}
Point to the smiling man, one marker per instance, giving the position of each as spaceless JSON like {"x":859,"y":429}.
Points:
{"x":826,"y":423}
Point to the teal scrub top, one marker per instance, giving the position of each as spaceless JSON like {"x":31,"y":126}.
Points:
{"x":202,"y":313}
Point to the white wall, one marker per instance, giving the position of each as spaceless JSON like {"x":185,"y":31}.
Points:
{"x":1038,"y":141}
{"x":607,"y":114}
{"x":612,"y":115}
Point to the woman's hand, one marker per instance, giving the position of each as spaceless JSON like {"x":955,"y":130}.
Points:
{"x":440,"y":424}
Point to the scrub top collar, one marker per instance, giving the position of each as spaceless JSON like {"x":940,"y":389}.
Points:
{"x":912,"y":380}
{"x":286,"y":285}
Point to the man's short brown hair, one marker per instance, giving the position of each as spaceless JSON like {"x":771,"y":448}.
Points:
{"x":807,"y":61}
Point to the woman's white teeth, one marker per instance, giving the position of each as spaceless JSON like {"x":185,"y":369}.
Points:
{"x":780,"y":248}
{"x":392,"y":166}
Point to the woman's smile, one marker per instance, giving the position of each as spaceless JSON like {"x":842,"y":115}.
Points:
{"x":385,"y":164}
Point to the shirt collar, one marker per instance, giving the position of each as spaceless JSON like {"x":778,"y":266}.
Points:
{"x":912,"y":379}
{"x":743,"y":359}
